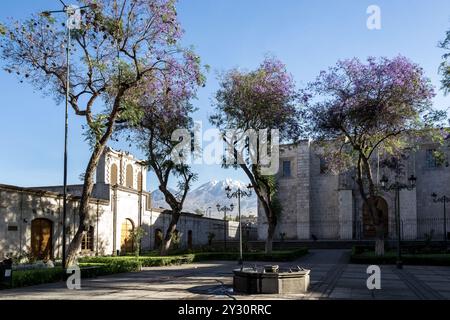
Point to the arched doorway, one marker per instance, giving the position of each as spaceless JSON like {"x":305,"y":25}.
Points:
{"x":41,"y":239}
{"x":369,"y":231}
{"x":126,"y":236}
{"x":158,"y":238}
{"x":190,"y":240}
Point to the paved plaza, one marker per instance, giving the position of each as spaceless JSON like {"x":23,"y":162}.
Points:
{"x":332,"y":277}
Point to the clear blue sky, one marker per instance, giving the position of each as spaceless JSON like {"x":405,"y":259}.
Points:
{"x":308,"y":35}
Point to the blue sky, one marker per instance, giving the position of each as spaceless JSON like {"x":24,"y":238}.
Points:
{"x":307,"y":35}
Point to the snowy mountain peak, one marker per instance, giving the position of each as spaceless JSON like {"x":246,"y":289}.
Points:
{"x":209,"y":195}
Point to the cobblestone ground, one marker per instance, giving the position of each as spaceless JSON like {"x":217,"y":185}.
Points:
{"x":331,"y":278}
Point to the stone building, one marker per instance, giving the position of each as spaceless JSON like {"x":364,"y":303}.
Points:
{"x":320,"y":205}
{"x":31,"y":218}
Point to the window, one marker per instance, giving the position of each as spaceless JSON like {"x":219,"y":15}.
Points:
{"x":286,"y":168}
{"x":113,"y":179}
{"x":323,"y":166}
{"x":431,"y":159}
{"x":139,"y":181}
{"x":87,"y":243}
{"x":129,"y":180}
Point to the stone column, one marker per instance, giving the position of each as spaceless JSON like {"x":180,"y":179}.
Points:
{"x":304,"y":185}
{"x":345,"y":210}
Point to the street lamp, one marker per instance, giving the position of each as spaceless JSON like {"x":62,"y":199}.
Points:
{"x":444,"y":199}
{"x":225,"y":209}
{"x":73,"y":13}
{"x":239,"y":193}
{"x":397,"y":187}
{"x":208,"y":212}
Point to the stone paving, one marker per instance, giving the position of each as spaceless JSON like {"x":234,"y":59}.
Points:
{"x":331,"y":278}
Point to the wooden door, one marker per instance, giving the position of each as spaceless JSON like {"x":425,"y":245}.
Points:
{"x":126,"y":236}
{"x":41,"y":239}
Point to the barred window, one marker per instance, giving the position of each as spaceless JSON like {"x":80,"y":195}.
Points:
{"x":431,"y":159}
{"x":87,"y":242}
{"x":286,"y":168}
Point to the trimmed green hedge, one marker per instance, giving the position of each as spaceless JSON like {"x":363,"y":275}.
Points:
{"x":101,"y":266}
{"x":369,"y":257}
{"x":23,"y":278}
{"x":154,"y":261}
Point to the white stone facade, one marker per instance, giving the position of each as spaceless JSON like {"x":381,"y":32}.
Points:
{"x":320,"y":205}
{"x":115,"y":206}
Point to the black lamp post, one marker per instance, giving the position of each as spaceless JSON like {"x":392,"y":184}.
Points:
{"x":70,"y":12}
{"x":444,"y":199}
{"x":397,"y":187}
{"x":225,"y":209}
{"x":239,"y":193}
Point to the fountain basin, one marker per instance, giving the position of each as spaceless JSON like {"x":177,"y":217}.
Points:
{"x":254,"y":281}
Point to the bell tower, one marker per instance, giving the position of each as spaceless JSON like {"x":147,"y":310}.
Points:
{"x":122,"y":169}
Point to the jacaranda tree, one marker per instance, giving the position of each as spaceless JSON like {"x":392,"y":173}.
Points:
{"x":120,"y":46}
{"x":359,"y":109}
{"x":263,"y":99}
{"x":167,"y":107}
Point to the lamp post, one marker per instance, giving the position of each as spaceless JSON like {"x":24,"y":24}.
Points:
{"x":239,"y":193}
{"x":444,"y":199}
{"x":397,"y":187}
{"x":73,"y":15}
{"x":225,"y":209}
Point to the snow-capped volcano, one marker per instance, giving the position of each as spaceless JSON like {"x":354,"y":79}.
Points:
{"x":209,"y":195}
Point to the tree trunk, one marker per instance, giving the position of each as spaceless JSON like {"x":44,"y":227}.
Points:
{"x":88,"y":185}
{"x":83,"y":211}
{"x":379,"y":242}
{"x":270,"y":235}
{"x":167,"y":241}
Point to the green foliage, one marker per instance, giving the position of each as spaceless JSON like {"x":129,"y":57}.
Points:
{"x":390,"y":257}
{"x":136,"y":235}
{"x":23,"y":278}
{"x":2,"y":30}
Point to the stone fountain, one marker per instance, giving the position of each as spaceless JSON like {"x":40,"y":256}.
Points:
{"x":271,"y":279}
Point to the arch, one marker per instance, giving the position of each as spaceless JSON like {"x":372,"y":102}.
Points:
{"x":190,"y":244}
{"x":129,"y":177}
{"x":369,"y":231}
{"x":42,"y":239}
{"x":126,"y":236}
{"x":158,"y":238}
{"x":139,"y":181}
{"x":113,"y":180}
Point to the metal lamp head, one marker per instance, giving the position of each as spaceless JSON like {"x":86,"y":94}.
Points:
{"x":232,"y":207}
{"x":434,"y":195}
{"x":228,"y":189}
{"x":218,"y":207}
{"x":412,"y":180}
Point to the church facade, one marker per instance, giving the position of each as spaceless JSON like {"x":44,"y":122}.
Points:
{"x":31,"y":218}
{"x":323,"y":206}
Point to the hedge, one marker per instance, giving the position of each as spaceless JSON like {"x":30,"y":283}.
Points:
{"x":23,"y":278}
{"x":369,"y":257}
{"x":153,"y":261}
{"x":100,"y":266}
